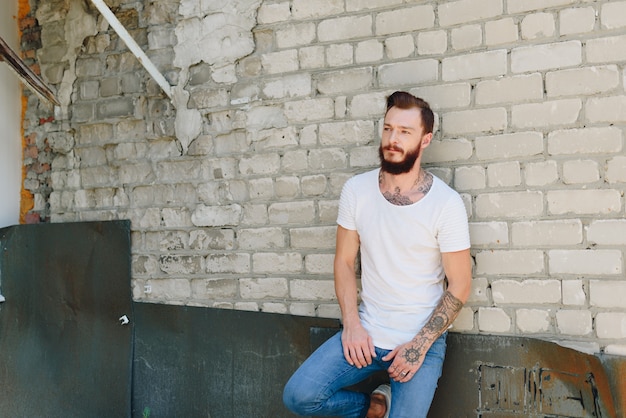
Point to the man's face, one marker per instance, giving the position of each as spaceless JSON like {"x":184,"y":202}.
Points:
{"x":402,"y":138}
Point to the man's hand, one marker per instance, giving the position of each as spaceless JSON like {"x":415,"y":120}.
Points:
{"x":407,"y":359}
{"x":358,"y":348}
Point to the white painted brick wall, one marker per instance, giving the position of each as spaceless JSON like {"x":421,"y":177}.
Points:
{"x":530,"y":102}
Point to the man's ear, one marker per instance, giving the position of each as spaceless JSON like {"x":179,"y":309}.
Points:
{"x":426,"y":139}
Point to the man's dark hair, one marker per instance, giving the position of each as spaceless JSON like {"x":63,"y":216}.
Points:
{"x":404,"y":100}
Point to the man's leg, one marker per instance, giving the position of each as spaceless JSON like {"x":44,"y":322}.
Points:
{"x":317,"y":387}
{"x":413,"y":398}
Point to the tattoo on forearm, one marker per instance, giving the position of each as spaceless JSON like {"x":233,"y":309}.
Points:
{"x":443,"y":316}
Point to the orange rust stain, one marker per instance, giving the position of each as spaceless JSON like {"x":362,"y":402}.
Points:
{"x":27,"y":201}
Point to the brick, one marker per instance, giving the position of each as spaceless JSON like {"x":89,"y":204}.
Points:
{"x":616,"y":170}
{"x":359,"y":5}
{"x":272,"y":13}
{"x":170,"y":289}
{"x":309,"y":110}
{"x":346,"y":133}
{"x":494,"y":320}
{"x":613,"y":15}
{"x":471,"y":121}
{"x":548,"y":113}
{"x":579,"y":262}
{"x":506,"y":174}
{"x":213,"y":288}
{"x":607,"y":232}
{"x":463,"y":11}
{"x":446,"y":96}
{"x":327,"y":159}
{"x":582,"y":81}
{"x":510,"y":89}
{"x":537,"y":25}
{"x":606,"y":49}
{"x":501,"y":31}
{"x":607,"y":294}
{"x":470,"y":178}
{"x":287,"y":187}
{"x":433,"y":42}
{"x":407,"y":19}
{"x":521,"y":144}
{"x":526,"y":291}
{"x":611,"y":325}
{"x":408,"y":73}
{"x":489,"y":233}
{"x":176,"y":217}
{"x":466,"y":37}
{"x":344,"y":28}
{"x":527,"y":204}
{"x":580,"y":172}
{"x":263,"y":288}
{"x":277,"y":263}
{"x":295,"y":35}
{"x":576,"y":20}
{"x":181,"y":264}
{"x":302,"y":289}
{"x":574,"y":322}
{"x":368,"y":105}
{"x":306,"y":9}
{"x":547,"y":233}
{"x":464,"y":321}
{"x":606,"y":109}
{"x":364,"y":157}
{"x":274,"y":307}
{"x":311,"y":57}
{"x":479,"y":290}
{"x":302,"y":309}
{"x":614,"y":349}
{"x":319,"y":237}
{"x":261,"y":238}
{"x":291,"y":212}
{"x":574,"y":292}
{"x":368,"y":51}
{"x":345,"y":81}
{"x":519,"y":6}
{"x":447,"y":150}
{"x":546,"y":57}
{"x":280,"y":62}
{"x":476,"y":65}
{"x":319,"y":263}
{"x":399,"y":46}
{"x":577,"y":141}
{"x":228,"y":263}
{"x":216,"y":215}
{"x":603,"y":201}
{"x":532,"y":321}
{"x":314,"y":185}
{"x":509,"y":262}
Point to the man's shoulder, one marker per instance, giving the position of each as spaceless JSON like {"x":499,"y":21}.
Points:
{"x":364,"y":178}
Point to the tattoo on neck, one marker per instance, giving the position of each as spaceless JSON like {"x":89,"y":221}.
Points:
{"x":422,"y":185}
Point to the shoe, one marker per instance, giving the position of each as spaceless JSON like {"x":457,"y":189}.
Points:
{"x":385,"y":390}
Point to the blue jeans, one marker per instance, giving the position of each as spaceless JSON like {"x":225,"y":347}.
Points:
{"x":317,"y":387}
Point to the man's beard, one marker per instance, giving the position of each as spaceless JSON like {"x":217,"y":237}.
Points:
{"x":399,"y":167}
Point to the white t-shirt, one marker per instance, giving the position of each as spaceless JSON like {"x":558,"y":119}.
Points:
{"x":401,"y":271}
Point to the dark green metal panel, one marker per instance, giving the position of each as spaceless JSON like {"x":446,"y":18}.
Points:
{"x":201,"y":362}
{"x":63,"y":349}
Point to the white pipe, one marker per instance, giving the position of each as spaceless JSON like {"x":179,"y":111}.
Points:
{"x":132,"y":45}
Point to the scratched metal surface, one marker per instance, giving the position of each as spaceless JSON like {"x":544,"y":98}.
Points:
{"x":506,"y":377}
{"x":202,"y":362}
{"x":63,"y":352}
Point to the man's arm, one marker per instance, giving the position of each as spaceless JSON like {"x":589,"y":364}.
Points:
{"x":409,"y":356}
{"x":358,"y":347}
